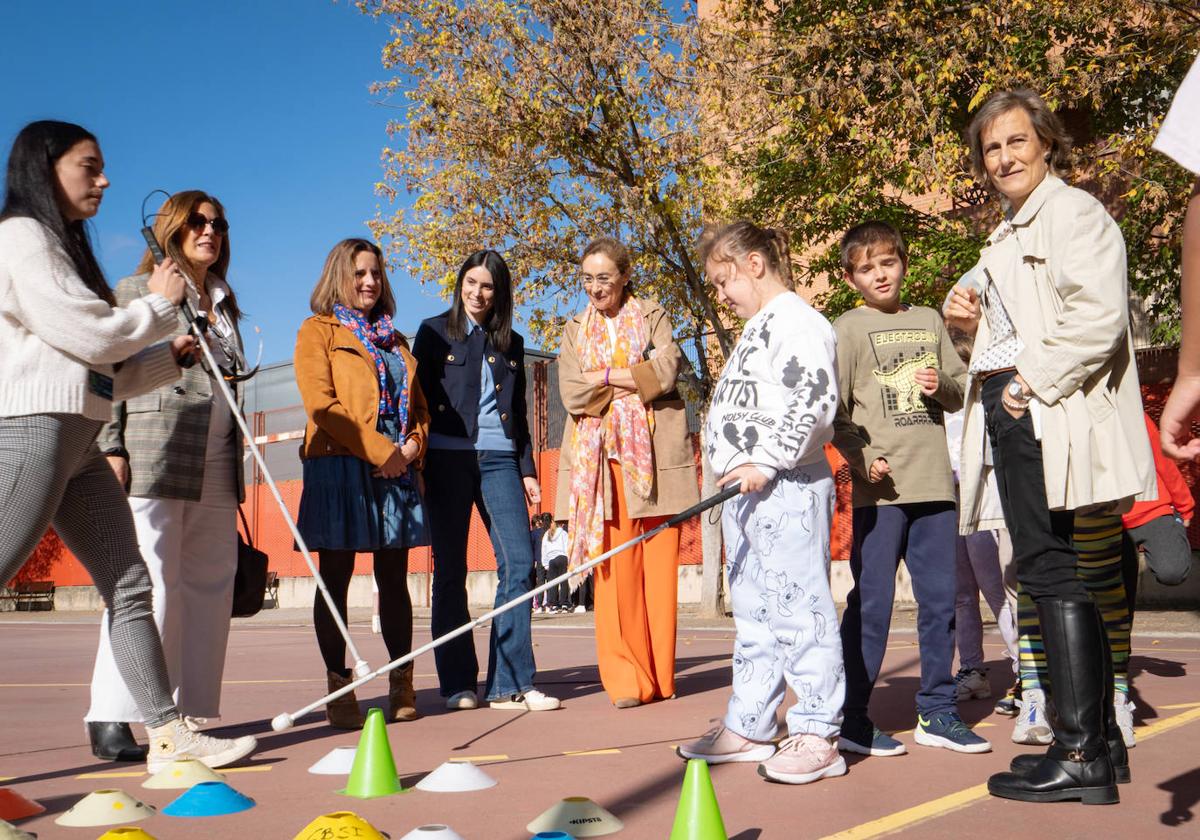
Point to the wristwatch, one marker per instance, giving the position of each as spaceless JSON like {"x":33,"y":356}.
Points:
{"x":1015,"y":398}
{"x":1017,"y":392}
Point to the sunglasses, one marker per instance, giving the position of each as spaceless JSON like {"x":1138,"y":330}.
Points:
{"x":198,"y":221}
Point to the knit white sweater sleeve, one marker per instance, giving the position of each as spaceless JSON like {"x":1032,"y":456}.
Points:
{"x":56,"y":306}
{"x":139,"y":374}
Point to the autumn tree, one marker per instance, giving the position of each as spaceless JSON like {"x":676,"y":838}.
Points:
{"x":531,"y":127}
{"x":858,"y":108}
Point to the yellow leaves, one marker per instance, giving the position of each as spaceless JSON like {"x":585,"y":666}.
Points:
{"x":980,"y":95}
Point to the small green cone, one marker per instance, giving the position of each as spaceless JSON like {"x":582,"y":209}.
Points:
{"x":698,"y":816}
{"x":374,"y":770}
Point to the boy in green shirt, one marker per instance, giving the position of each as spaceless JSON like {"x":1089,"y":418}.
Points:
{"x":897,"y":373}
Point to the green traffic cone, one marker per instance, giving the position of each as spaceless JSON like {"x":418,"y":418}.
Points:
{"x":374,"y":770}
{"x":698,"y":816}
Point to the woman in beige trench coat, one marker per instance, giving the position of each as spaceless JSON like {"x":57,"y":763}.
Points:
{"x":1053,"y":384}
{"x":626,"y":464}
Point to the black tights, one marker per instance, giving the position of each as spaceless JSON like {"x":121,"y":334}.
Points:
{"x":395,"y":606}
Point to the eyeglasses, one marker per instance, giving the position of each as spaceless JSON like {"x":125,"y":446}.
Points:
{"x":198,"y":222}
{"x":598,"y":281}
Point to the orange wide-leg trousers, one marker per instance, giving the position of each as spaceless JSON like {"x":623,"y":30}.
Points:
{"x":636,"y":593}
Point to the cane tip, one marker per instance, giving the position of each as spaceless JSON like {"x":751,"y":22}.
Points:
{"x":361,"y":668}
{"x":281,"y":722}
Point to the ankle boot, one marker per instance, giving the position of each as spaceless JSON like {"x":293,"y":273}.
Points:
{"x":1118,"y":753}
{"x":402,"y":700}
{"x":1077,"y":765}
{"x":342,"y":713}
{"x":113,"y":741}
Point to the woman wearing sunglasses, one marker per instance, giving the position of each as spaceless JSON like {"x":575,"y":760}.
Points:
{"x":177,"y":451}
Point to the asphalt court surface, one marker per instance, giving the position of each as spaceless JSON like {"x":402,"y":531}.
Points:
{"x":622,"y":759}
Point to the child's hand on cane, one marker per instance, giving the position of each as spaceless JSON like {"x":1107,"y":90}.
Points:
{"x":750,"y":476}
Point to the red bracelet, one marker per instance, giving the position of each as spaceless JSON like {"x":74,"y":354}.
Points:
{"x":607,"y":371}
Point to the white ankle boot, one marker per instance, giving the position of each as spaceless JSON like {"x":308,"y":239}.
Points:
{"x":174,"y":740}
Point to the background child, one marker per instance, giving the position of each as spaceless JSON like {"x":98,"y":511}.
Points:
{"x":770,"y":418}
{"x":897,"y":372}
{"x":1159,"y":528}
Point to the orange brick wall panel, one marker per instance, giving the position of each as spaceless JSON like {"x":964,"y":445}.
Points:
{"x":842,"y":533}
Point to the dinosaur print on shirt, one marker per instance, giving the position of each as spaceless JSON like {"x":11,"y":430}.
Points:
{"x":898,"y":355}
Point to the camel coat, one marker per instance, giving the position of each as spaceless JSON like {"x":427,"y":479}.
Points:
{"x":1062,"y":276}
{"x":675,"y":482}
{"x":340,"y":389}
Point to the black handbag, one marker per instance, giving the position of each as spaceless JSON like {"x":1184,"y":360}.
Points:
{"x":250,"y":583}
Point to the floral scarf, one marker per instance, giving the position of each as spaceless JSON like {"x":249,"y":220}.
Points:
{"x":374,"y":337}
{"x":623,"y":433}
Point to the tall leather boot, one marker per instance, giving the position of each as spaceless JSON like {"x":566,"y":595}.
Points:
{"x":402,"y":700}
{"x":342,"y":713}
{"x":1077,"y":765}
{"x":1118,"y":754}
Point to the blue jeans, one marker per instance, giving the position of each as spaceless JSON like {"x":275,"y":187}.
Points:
{"x":454,"y":481}
{"x":923,"y":534}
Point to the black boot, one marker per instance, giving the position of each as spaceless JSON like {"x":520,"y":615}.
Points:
{"x":1077,"y":765}
{"x":114,"y":742}
{"x":1118,"y":754}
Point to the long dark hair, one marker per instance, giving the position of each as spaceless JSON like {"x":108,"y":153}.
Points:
{"x":499,"y":321}
{"x":31,"y":191}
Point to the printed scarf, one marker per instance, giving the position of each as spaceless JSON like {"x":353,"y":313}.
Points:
{"x":374,"y":337}
{"x":623,"y":433}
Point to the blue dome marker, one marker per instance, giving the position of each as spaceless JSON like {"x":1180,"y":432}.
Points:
{"x":208,"y":799}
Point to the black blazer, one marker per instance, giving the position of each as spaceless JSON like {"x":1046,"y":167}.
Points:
{"x":450,"y":377}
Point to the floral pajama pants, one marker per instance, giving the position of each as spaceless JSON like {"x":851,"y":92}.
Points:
{"x":777,"y":548}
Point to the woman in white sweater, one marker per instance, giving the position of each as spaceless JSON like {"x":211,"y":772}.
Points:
{"x":66,"y":352}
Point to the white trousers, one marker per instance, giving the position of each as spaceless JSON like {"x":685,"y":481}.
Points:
{"x":777,"y":547}
{"x":190,"y":549}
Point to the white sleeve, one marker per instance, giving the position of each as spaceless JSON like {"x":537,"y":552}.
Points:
{"x":62,"y":311}
{"x":143,"y":372}
{"x":1179,"y":136}
{"x":805,"y":359}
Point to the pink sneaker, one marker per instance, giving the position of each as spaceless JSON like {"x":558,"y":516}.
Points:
{"x":802,"y":759}
{"x":719,"y":745}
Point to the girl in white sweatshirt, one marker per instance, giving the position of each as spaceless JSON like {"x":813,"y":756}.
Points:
{"x":770,"y":417}
{"x":66,"y":352}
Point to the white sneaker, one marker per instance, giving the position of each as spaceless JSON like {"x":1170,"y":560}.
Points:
{"x":529,"y":701}
{"x":196,"y":724}
{"x":174,"y":740}
{"x":462,"y":700}
{"x":1124,"y":708}
{"x":581,"y":608}
{"x":1031,"y":726}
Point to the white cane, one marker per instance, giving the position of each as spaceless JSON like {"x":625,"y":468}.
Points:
{"x":286,"y":721}
{"x":360,"y":665}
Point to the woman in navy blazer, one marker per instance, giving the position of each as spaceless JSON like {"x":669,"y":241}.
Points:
{"x":472,"y":370}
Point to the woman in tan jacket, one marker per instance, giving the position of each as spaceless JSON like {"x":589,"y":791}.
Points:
{"x":1054,"y":385}
{"x":363,"y":447}
{"x":626,"y":464}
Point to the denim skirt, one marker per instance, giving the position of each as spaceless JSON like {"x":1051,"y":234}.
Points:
{"x":344,"y":507}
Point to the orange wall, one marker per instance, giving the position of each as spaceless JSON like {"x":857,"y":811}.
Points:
{"x":52,"y":560}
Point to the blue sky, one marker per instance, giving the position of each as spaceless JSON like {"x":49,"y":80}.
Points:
{"x":264,"y":104}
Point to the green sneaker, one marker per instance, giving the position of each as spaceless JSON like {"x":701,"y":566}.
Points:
{"x":947,"y":730}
